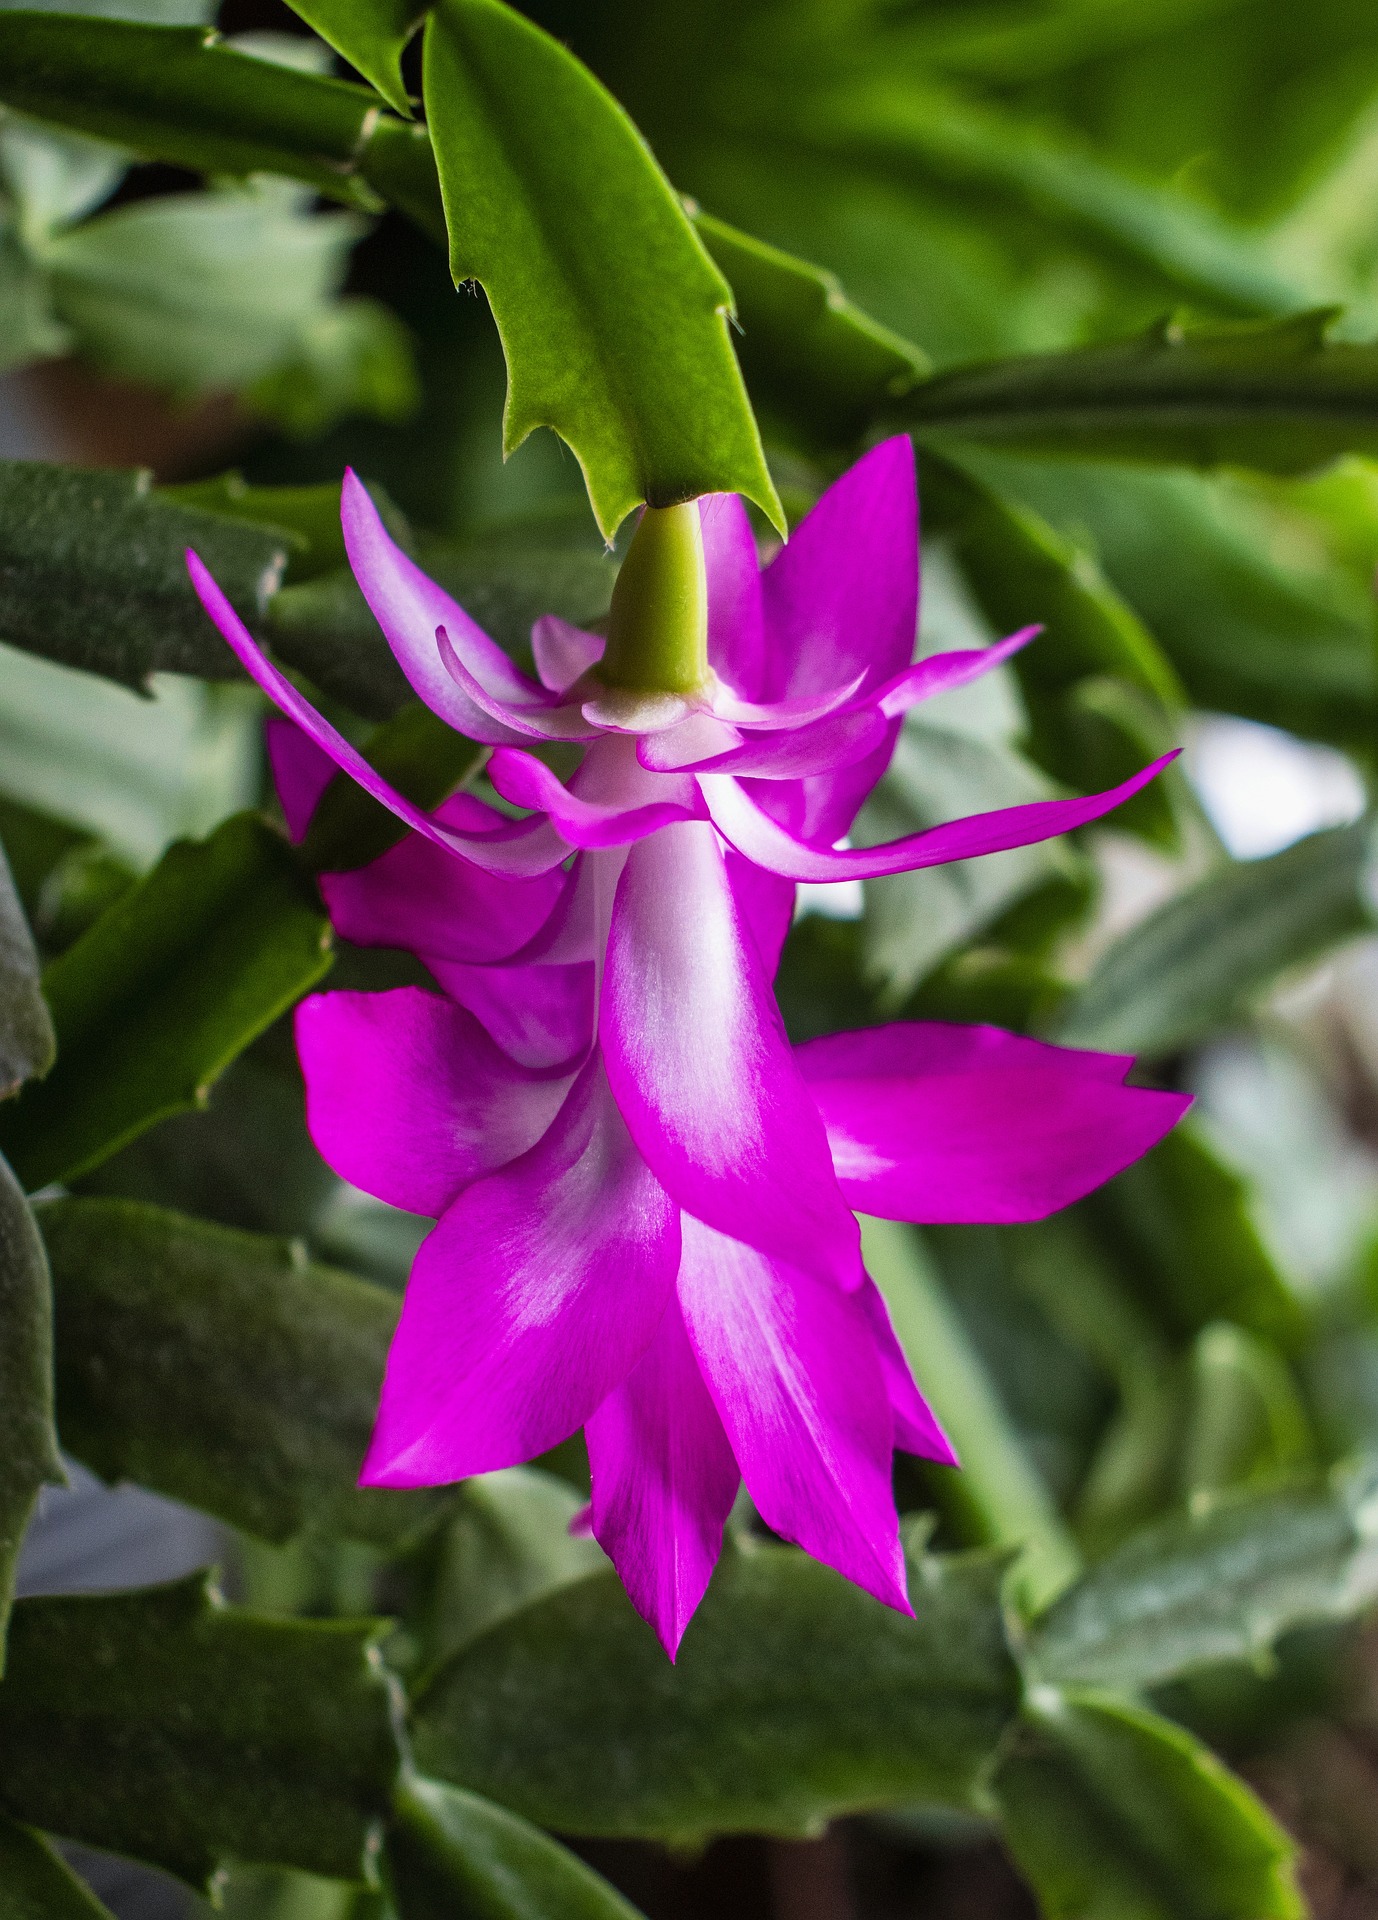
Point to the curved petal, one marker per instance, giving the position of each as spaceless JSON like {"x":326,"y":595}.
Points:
{"x":766,"y":904}
{"x":420,"y":898}
{"x":940,"y":672}
{"x":742,"y":823}
{"x":540,"y":1015}
{"x":736,"y":629}
{"x":916,"y":1425}
{"x":563,"y":654}
{"x":793,"y":712}
{"x":697,"y":740}
{"x":1012,"y":1131}
{"x":792,"y":1367}
{"x":528,"y":782}
{"x":664,"y":1479}
{"x":520,"y":846}
{"x":408,"y":1098}
{"x":301,"y":772}
{"x":818,"y":746}
{"x":409,"y":606}
{"x":533,"y":1298}
{"x":698,"y":1060}
{"x":519,"y":720}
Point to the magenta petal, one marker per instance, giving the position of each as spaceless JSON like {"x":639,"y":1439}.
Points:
{"x":1001,"y":1129}
{"x":819,"y":746}
{"x":543,"y":719}
{"x":698,"y":739}
{"x":664,"y":1479}
{"x":301,"y":772}
{"x":528,"y":782}
{"x":420,"y":898}
{"x":940,"y":672}
{"x":408,"y":1098}
{"x":755,"y":834}
{"x":766,"y":903}
{"x":533,"y":1298}
{"x":521,"y":846}
{"x":541,"y":1015}
{"x":698,"y":1059}
{"x":736,"y":632}
{"x":563,"y":653}
{"x":792,"y":1366}
{"x":916,"y":1425}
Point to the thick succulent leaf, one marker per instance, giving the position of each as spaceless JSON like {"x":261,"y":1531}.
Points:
{"x":26,"y":1028}
{"x":92,"y":570}
{"x":163,"y":991}
{"x":28,"y":1441}
{"x":1275,"y":395}
{"x":179,"y":94}
{"x":1198,"y":961}
{"x":1114,"y":1813}
{"x":39,"y":1885}
{"x":222,"y":1369}
{"x":817,"y":366}
{"x":1219,"y":1584}
{"x":371,"y":34}
{"x":165,"y":1725}
{"x":622,"y":349}
{"x":999,"y":1496}
{"x":1179,"y":1227}
{"x":449,"y":1853}
{"x":795,"y":1697}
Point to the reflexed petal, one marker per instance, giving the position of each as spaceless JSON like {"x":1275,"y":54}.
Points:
{"x":520,"y":846}
{"x":420,"y":898}
{"x":409,"y":1099}
{"x":301,"y":772}
{"x":940,"y":672}
{"x":916,"y":1426}
{"x":736,"y":632}
{"x":818,"y":746}
{"x":528,"y":782}
{"x":664,"y":1480}
{"x":518,"y":719}
{"x":541,"y":1015}
{"x":533,"y":1298}
{"x":697,"y":1057}
{"x":691,"y":742}
{"x":766,"y":903}
{"x":1000,"y":1129}
{"x":792,"y":1366}
{"x":753,"y":832}
{"x":563,"y":653}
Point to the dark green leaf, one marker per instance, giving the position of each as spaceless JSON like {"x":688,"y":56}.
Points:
{"x":1275,"y":395}
{"x":92,"y":570}
{"x":1116,"y":1814}
{"x":164,"y":990}
{"x":306,"y":520}
{"x":612,"y":315}
{"x":1219,"y":1584}
{"x":221,"y":1368}
{"x":816,"y":364}
{"x":371,"y":34}
{"x":451,"y":1854}
{"x":166,"y":1725}
{"x":795,"y":1697}
{"x":1198,"y":961}
{"x":35,"y":1884}
{"x":26,"y":1030}
{"x":28,"y":1442}
{"x":1178,"y":1226}
{"x":1245,"y":1420}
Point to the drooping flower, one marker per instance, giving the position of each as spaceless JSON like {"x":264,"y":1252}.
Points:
{"x":644,"y":1195}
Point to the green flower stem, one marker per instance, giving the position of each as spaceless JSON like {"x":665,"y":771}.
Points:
{"x":998,"y":1497}
{"x":658,"y":627}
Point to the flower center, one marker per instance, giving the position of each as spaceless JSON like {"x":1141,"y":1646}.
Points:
{"x":658,"y":626}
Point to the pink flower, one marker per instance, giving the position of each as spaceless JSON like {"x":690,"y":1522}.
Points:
{"x":643,"y":1194}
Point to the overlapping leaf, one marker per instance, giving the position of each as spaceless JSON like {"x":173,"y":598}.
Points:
{"x":28,"y":1441}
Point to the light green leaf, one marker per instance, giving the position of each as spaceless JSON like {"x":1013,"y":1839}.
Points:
{"x":28,"y":1442}
{"x":1245,"y":1418}
{"x":92,"y":572}
{"x":1223,"y":1583}
{"x":350,"y":356}
{"x":1198,"y":961}
{"x":612,"y":315}
{"x":451,"y":1853}
{"x":371,"y":35}
{"x":164,"y":990}
{"x":165,"y":1725}
{"x":27,"y":1045}
{"x":221,"y":1368}
{"x":1276,"y":395}
{"x":795,"y":1697}
{"x":37,"y":1884}
{"x":1116,"y":1814}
